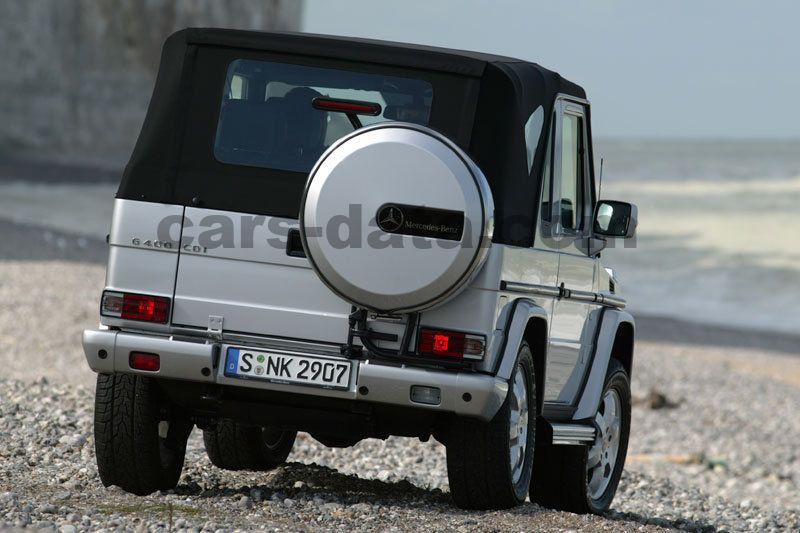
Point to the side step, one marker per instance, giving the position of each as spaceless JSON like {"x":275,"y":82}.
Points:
{"x":572,"y":434}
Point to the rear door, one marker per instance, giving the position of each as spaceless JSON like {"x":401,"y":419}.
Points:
{"x":251,"y":138}
{"x":246,"y":269}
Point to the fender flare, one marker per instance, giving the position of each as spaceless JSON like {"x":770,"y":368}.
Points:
{"x":589,"y":401}
{"x":521,"y":310}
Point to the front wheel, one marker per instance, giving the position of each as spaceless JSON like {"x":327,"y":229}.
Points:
{"x":489,"y":464}
{"x":140,"y":446}
{"x":584,"y":479}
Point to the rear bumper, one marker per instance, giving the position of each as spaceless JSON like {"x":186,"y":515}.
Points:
{"x":466,"y":394}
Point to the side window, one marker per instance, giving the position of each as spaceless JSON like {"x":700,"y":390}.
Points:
{"x":533,"y":130}
{"x":571,"y":198}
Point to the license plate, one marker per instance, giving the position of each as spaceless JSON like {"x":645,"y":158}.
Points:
{"x":287,"y":368}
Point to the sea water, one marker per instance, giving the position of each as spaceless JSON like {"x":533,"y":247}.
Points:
{"x":719,"y":229}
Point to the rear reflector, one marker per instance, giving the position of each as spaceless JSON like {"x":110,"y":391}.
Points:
{"x":451,"y":344}
{"x":347,"y":106}
{"x":135,"y":307}
{"x":145,"y":361}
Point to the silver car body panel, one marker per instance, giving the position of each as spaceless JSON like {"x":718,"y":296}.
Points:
{"x":265,"y":297}
{"x":257,"y":289}
{"x":138,"y":260}
{"x":251,"y":281}
{"x":231,"y":281}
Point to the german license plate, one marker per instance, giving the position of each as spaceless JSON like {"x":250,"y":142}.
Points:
{"x":287,"y":368}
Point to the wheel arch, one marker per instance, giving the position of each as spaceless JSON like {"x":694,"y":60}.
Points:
{"x":614,"y":340}
{"x":536,"y":337}
{"x":622,"y":349}
{"x":524,"y":321}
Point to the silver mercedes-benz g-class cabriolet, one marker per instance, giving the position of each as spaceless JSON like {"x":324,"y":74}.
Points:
{"x":359,"y":239}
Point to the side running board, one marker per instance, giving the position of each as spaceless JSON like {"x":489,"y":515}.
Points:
{"x":572,"y":434}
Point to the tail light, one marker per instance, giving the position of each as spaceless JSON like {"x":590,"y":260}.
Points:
{"x":150,"y":362}
{"x":445,"y":343}
{"x":135,"y":307}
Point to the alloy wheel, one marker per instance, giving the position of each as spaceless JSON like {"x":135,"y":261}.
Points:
{"x":518,"y":426}
{"x":602,"y":456}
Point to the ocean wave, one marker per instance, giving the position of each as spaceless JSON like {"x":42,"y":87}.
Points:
{"x":707,"y":188}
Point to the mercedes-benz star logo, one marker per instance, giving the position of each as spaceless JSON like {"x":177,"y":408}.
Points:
{"x":390,"y":218}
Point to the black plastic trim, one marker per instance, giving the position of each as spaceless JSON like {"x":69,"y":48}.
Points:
{"x":503,"y":346}
{"x":294,"y":244}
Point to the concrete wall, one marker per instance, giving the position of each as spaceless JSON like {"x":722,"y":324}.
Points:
{"x":76,"y":75}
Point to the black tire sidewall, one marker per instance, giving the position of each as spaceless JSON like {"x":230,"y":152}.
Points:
{"x":231,"y":445}
{"x":524,"y":362}
{"x":275,"y":454}
{"x":616,"y":378}
{"x":128,"y":448}
{"x":478,"y":460}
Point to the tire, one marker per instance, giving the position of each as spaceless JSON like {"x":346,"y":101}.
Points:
{"x":233,"y":446}
{"x":480,"y":469}
{"x":130,"y":453}
{"x":562,"y":477}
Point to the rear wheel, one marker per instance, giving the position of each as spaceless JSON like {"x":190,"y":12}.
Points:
{"x":140,"y":446}
{"x":584,"y":479}
{"x":489,"y":464}
{"x":233,"y":446}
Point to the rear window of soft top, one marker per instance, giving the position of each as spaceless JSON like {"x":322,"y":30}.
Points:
{"x":267,"y":118}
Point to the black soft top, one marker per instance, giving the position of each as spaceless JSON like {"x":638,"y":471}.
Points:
{"x":498,"y":94}
{"x":351,"y":48}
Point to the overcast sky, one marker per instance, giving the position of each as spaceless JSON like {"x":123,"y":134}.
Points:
{"x":680,"y":68}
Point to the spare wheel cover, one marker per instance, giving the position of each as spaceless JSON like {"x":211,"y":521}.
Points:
{"x":396,"y":218}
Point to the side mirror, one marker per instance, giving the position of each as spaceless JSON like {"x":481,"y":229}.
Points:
{"x":615,"y":219}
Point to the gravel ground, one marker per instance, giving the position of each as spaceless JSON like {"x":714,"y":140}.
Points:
{"x":45,"y":307}
{"x":49,"y":480}
{"x":713,"y":445}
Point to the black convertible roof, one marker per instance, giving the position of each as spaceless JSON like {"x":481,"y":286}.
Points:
{"x":502,"y":94}
{"x":352,"y":48}
{"x":417,"y":56}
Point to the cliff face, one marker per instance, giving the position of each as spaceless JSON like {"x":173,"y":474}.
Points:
{"x":76,"y":75}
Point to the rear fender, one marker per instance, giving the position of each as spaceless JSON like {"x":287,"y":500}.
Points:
{"x":521,"y":311}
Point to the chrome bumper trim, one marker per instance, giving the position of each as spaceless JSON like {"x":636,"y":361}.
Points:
{"x":462,"y":393}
